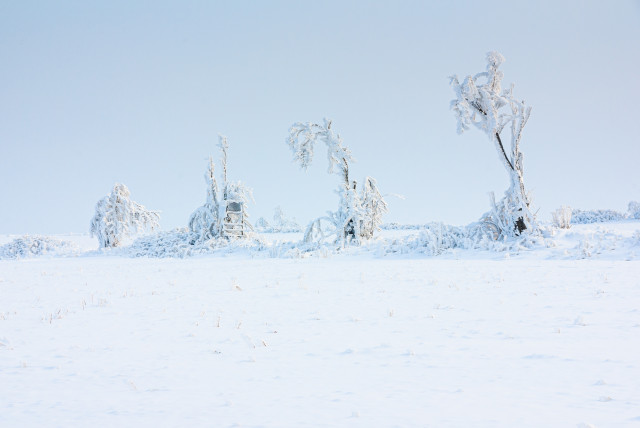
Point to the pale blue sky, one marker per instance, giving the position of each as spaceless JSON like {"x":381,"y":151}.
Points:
{"x":93,"y":93}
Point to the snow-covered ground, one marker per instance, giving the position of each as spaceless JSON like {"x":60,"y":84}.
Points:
{"x":543,"y":337}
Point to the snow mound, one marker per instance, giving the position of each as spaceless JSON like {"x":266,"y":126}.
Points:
{"x":33,"y":246}
{"x":605,"y":241}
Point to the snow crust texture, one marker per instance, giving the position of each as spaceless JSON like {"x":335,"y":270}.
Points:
{"x":357,"y":341}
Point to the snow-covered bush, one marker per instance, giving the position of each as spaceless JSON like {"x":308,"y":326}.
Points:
{"x":634,"y":210}
{"x":117,"y":217}
{"x":177,"y":243}
{"x":595,"y":216}
{"x":398,"y":226}
{"x":481,"y":102}
{"x":180,"y":243}
{"x":436,"y":238}
{"x":562,"y":217}
{"x":358,"y":215}
{"x":32,"y":246}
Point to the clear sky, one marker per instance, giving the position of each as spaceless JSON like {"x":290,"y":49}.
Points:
{"x":93,"y":93}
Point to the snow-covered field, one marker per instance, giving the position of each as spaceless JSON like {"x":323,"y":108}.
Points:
{"x":543,"y":337}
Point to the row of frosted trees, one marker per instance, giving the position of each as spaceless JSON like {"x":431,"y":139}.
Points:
{"x":480,"y":102}
{"x":359,"y":213}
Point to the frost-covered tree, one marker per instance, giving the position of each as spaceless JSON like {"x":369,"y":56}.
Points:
{"x":344,"y":225}
{"x":280,"y":223}
{"x":278,"y":216}
{"x":263,"y":224}
{"x":283,"y":223}
{"x":205,"y":221}
{"x":374,"y":207}
{"x":208,"y":221}
{"x":634,"y":210}
{"x":117,"y":217}
{"x":481,"y":102}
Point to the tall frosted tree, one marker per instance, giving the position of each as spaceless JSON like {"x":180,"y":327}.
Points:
{"x":482,"y":103}
{"x":205,"y":220}
{"x":117,"y":217}
{"x":348,"y":221}
{"x":208,"y":221}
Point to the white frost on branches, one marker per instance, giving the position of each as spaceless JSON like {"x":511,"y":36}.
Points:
{"x":634,"y":210}
{"x":281,"y":223}
{"x":358,"y":215}
{"x":117,"y":217}
{"x":284,"y":223}
{"x":207,"y":221}
{"x":373,"y":207}
{"x":562,"y":217}
{"x":481,"y":102}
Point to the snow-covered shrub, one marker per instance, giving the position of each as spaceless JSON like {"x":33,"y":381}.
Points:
{"x":33,"y":246}
{"x":433,"y":239}
{"x":117,"y":217}
{"x":634,"y":210}
{"x":180,"y":243}
{"x":562,"y":217}
{"x":398,"y":226}
{"x":595,"y":216}
{"x":438,"y":237}
{"x":358,"y":215}
{"x":481,"y":102}
{"x":177,"y":243}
